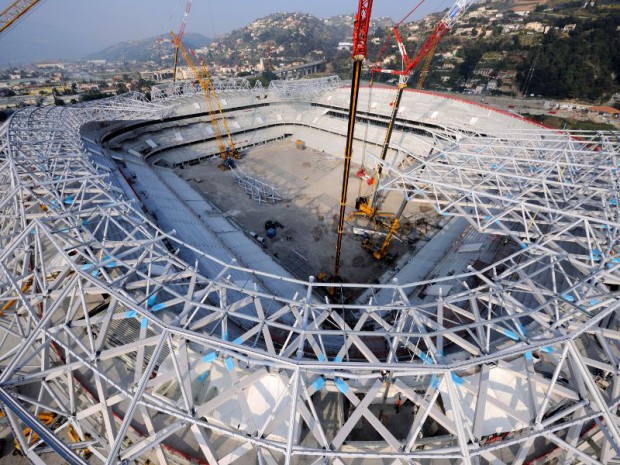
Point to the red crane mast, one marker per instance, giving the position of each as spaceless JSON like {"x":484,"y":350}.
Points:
{"x":188,"y":8}
{"x":360,"y":37}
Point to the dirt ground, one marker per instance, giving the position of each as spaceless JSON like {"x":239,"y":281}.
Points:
{"x":310,"y":183}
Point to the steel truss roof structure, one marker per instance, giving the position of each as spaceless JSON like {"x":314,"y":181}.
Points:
{"x":178,"y":89}
{"x":143,"y":356}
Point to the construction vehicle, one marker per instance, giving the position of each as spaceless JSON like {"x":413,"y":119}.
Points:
{"x":380,"y":251}
{"x":369,"y":206}
{"x":16,"y":10}
{"x":202,"y":76}
{"x":360,"y":36}
{"x":47,"y":419}
{"x":50,"y":420}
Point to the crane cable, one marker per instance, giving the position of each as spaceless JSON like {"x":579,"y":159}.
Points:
{"x":387,"y":40}
{"x":365,"y":140}
{"x":370,"y":87}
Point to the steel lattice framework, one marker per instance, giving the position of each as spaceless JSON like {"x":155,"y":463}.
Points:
{"x":180,"y":89}
{"x":104,"y":325}
{"x":303,"y":89}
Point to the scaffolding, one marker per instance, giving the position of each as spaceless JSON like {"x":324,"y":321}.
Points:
{"x":104,"y":324}
{"x":255,"y":188}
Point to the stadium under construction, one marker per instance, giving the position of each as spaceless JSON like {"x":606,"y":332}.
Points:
{"x":142,"y":322}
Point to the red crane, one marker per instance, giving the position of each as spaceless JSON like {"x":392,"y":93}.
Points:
{"x":360,"y":37}
{"x":442,"y":28}
{"x":367,"y":206}
{"x":446,"y":23}
{"x":188,"y":7}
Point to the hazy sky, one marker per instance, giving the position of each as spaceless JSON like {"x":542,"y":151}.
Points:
{"x":105,"y":22}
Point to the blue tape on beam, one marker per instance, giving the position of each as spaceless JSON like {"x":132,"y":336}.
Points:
{"x":158,"y":307}
{"x":338,"y":359}
{"x":151,"y":300}
{"x":144,"y":323}
{"x":203,"y":376}
{"x":435,"y":381}
{"x":520,"y":326}
{"x":69,"y":200}
{"x":226,"y":336}
{"x":568,"y":297}
{"x":613,"y":202}
{"x":547,"y":349}
{"x":529,"y":355}
{"x":523,"y":245}
{"x":425,"y":358}
{"x":322,"y":358}
{"x":111,"y":264}
{"x":130,"y":314}
{"x":95,"y":273}
{"x":230,"y":364}
{"x":511,"y":334}
{"x":238,"y":341}
{"x":318,"y":383}
{"x":87,"y":267}
{"x":457,"y":379}
{"x":594,"y":301}
{"x":209,"y":357}
{"x":341,"y":385}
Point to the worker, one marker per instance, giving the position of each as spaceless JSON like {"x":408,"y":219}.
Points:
{"x":384,"y":376}
{"x":398,"y":403}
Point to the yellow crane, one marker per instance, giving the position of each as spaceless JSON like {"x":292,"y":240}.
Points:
{"x":426,"y":67}
{"x":203,"y":77}
{"x":14,"y":11}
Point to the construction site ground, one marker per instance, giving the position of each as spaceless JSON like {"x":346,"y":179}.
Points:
{"x":310,"y":184}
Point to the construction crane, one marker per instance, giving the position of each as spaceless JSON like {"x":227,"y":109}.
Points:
{"x":188,"y":8}
{"x":426,"y":67}
{"x":369,"y":207}
{"x":360,"y":36}
{"x":204,"y":79}
{"x":14,"y":12}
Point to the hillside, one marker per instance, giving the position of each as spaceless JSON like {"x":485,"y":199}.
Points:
{"x":150,"y":49}
{"x":289,"y":36}
{"x":556,"y":49}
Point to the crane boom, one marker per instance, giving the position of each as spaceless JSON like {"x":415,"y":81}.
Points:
{"x":446,"y":24}
{"x":188,"y":7}
{"x":14,"y":12}
{"x":426,"y":50}
{"x":203,"y":77}
{"x":360,"y":36}
{"x":360,"y":29}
